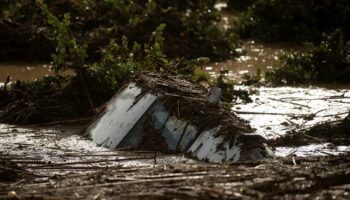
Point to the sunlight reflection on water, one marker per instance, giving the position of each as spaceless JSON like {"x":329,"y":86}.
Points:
{"x":254,"y":56}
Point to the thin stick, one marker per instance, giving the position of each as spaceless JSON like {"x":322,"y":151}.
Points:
{"x":98,"y":161}
{"x":73,"y":121}
{"x":131,"y":182}
{"x":331,"y":115}
{"x":266,"y":113}
{"x":87,"y":91}
{"x":297,"y":104}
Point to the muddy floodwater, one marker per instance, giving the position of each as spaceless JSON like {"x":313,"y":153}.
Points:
{"x":56,"y":161}
{"x":273,"y":111}
{"x":24,"y":71}
{"x":254,"y":57}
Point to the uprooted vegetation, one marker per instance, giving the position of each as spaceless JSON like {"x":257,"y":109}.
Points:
{"x":188,"y":101}
{"x":109,"y":64}
{"x":10,"y":171}
{"x":320,"y":177}
{"x":334,"y":132}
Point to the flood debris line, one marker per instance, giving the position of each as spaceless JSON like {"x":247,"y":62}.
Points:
{"x":334,"y":132}
{"x":60,"y":165}
{"x":170,"y":113}
{"x":9,"y":171}
{"x":284,"y":178}
{"x":41,"y":155}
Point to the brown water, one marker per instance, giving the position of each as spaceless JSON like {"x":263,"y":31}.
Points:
{"x":282,"y":103}
{"x":24,"y":71}
{"x":253,"y":56}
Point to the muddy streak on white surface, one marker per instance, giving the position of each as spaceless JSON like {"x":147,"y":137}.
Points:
{"x":274,"y":111}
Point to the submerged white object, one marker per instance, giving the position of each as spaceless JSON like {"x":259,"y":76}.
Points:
{"x":214,"y":95}
{"x":206,"y":147}
{"x":120,"y":117}
{"x":131,"y":114}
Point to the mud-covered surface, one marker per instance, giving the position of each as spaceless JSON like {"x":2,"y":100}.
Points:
{"x":54,"y":163}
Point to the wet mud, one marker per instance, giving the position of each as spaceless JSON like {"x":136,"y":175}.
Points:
{"x":55,"y":163}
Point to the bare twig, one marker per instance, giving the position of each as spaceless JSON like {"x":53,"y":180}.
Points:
{"x":296,"y":104}
{"x":267,"y":113}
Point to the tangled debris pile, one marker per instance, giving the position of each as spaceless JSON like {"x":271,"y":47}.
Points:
{"x":10,"y":172}
{"x":177,"y":112}
{"x":336,"y":133}
{"x":50,"y":99}
{"x":186,"y":100}
{"x":312,"y":177}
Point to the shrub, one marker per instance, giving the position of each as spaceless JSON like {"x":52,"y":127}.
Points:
{"x":295,"y":20}
{"x":239,"y":5}
{"x":328,"y":61}
{"x":191,"y":25}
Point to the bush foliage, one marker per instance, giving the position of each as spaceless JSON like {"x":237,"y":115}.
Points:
{"x":95,"y":80}
{"x":328,"y":61}
{"x":190,"y":32}
{"x":295,"y":20}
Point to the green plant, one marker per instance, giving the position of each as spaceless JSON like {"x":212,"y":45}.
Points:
{"x":325,"y":62}
{"x":252,"y":79}
{"x":240,"y":5}
{"x":191,"y":25}
{"x":294,"y":20}
{"x":106,"y":58}
{"x":228,"y":92}
{"x":69,"y":54}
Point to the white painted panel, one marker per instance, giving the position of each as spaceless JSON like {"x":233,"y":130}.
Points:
{"x":205,"y":148}
{"x":120,"y":117}
{"x":172,"y":132}
{"x":203,"y":144}
{"x":187,"y":138}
